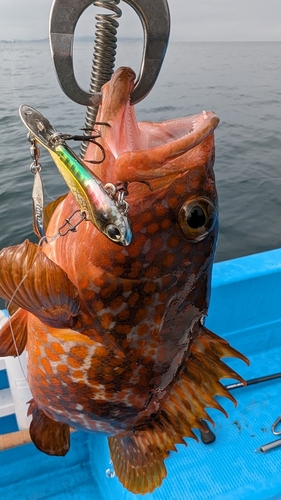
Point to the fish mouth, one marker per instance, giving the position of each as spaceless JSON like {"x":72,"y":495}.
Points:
{"x":169,"y":148}
{"x":185,"y":133}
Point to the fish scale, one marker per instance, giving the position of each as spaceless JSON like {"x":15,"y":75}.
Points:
{"x":131,"y":357}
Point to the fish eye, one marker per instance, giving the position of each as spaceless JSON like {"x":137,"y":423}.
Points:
{"x":197,"y":218}
{"x":113,"y":232}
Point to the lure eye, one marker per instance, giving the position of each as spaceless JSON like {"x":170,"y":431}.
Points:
{"x":197,"y":218}
{"x":113,"y":232}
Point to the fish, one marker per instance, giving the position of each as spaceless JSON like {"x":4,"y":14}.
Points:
{"x":88,"y":190}
{"x":116,"y":335}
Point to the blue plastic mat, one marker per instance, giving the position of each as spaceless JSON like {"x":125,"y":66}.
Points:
{"x":248,"y":312}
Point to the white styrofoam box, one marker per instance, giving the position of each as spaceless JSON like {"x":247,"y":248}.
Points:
{"x":15,"y":398}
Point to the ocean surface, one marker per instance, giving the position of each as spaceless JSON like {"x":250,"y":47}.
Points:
{"x":239,"y":81}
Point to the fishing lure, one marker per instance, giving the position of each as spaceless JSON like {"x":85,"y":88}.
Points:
{"x":109,"y":216}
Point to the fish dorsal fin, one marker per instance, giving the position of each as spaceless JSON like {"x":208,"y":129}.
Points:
{"x":48,"y":435}
{"x":13,"y":334}
{"x":50,"y":208}
{"x":138,"y":456}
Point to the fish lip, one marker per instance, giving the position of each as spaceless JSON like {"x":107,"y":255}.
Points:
{"x":202,"y":125}
{"x":184,"y":133}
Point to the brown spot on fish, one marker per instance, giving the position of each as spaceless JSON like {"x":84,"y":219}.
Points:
{"x":152,"y":228}
{"x":165,"y":223}
{"x":173,"y":241}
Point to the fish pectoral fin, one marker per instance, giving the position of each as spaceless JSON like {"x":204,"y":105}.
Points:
{"x":138,"y":457}
{"x":13,"y":334}
{"x":48,"y":435}
{"x":37,"y":284}
{"x":50,"y":208}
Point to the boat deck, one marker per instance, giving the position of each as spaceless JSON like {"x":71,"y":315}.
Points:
{"x":247,"y":312}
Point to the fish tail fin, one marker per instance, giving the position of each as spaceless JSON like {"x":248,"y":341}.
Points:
{"x":138,"y":456}
{"x":13,"y":334}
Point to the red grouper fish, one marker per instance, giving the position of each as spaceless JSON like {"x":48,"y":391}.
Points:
{"x":115,"y":334}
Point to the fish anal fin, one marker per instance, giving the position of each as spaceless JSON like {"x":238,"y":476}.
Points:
{"x":48,"y":435}
{"x":13,"y":334}
{"x":138,"y":456}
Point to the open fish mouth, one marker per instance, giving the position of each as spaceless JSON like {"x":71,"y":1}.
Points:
{"x":193,"y":129}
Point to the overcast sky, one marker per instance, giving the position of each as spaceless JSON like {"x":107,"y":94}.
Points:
{"x":200,"y":20}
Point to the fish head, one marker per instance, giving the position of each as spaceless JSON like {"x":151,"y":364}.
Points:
{"x":168,"y":167}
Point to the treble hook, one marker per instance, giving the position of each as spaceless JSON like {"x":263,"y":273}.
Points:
{"x":155,"y":19}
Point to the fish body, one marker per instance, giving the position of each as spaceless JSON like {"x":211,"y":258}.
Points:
{"x":87,"y":189}
{"x":115,"y":335}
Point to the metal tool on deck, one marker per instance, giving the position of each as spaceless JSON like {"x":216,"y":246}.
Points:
{"x":155,"y":19}
{"x":273,"y":444}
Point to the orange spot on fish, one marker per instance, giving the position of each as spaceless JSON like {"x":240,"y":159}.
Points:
{"x":78,"y":374}
{"x":98,"y":305}
{"x":179,"y":188}
{"x":133,"y":299}
{"x":143,"y":329}
{"x":148,"y":300}
{"x":173,"y":202}
{"x":136,"y":245}
{"x":101,"y":352}
{"x":46,"y":365}
{"x":160,"y":210}
{"x":37,"y":350}
{"x":123,"y":315}
{"x":173,"y":241}
{"x":62,"y":368}
{"x":141,"y":314}
{"x":51,"y":355}
{"x":163,"y":297}
{"x":120,"y":258}
{"x":146,"y":217}
{"x":152,"y":272}
{"x":159,"y":312}
{"x":165,"y":223}
{"x":108,"y":290}
{"x":55,"y":382}
{"x":153,"y":228}
{"x":106,"y":320}
{"x":116,"y":303}
{"x":168,"y":260}
{"x":80,"y":351}
{"x":136,"y":268}
{"x":149,"y":287}
{"x":56,"y":347}
{"x":73,"y":362}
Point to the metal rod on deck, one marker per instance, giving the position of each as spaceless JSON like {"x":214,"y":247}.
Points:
{"x":253,"y":381}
